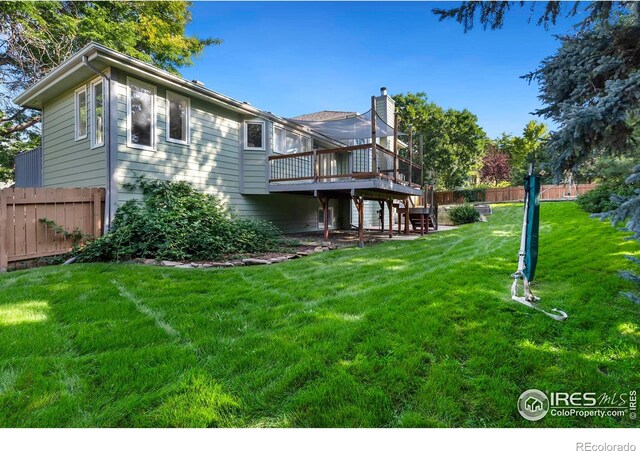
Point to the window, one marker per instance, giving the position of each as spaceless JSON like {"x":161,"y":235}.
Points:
{"x":81,"y":113}
{"x":97,"y":114}
{"x":278,"y":139}
{"x":141,"y":121}
{"x":254,"y":135}
{"x":292,"y":143}
{"x":287,"y":141}
{"x":321,"y":218}
{"x":178,"y":112}
{"x":306,"y":144}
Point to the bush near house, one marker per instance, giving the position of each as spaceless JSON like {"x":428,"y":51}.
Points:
{"x":176,"y":222}
{"x":463,"y":214}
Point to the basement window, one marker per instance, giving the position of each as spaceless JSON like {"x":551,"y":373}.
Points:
{"x":321,"y":218}
{"x":141,"y":115}
{"x":81,"y":113}
{"x":178,"y":112}
{"x":254,"y":135}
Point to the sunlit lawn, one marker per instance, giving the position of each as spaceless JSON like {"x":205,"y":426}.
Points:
{"x":407,"y":333}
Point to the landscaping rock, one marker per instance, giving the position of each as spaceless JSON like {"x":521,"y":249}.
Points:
{"x":220,"y":265}
{"x":255,"y":261}
{"x":169,"y":263}
{"x":483,"y":209}
{"x":319,"y":249}
{"x":326,"y":243}
{"x":185,"y":265}
{"x":278,"y":259}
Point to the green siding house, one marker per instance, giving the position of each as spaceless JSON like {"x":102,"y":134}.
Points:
{"x":107,"y":118}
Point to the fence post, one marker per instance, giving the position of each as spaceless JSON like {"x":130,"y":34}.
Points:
{"x":4,"y":252}
{"x":97,"y":213}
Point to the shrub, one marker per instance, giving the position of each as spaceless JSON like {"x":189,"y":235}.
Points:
{"x":472,"y":194}
{"x":598,"y":200}
{"x":176,"y":222}
{"x":463,"y":214}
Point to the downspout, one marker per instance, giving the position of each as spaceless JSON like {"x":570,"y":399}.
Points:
{"x":107,"y":142}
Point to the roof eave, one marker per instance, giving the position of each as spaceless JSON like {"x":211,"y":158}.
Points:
{"x":97,"y":52}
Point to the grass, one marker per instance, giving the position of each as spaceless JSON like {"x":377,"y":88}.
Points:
{"x":401,"y":334}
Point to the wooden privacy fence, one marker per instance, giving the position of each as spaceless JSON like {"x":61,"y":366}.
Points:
{"x":24,"y":236}
{"x":516,"y":194}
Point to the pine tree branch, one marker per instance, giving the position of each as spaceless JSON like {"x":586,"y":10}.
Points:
{"x":20,"y":127}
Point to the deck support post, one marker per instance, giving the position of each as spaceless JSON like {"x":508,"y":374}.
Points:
{"x":390,"y":205}
{"x":324,"y":203}
{"x":424,"y":211}
{"x":374,"y":150}
{"x":359,"y":201}
{"x":381,"y":205}
{"x":325,"y":211}
{"x":406,"y":216}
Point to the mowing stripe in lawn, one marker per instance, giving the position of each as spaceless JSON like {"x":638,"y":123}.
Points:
{"x":156,"y":316}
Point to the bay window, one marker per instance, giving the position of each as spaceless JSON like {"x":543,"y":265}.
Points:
{"x":141,"y":120}
{"x":178,"y":112}
{"x":81,"y":113}
{"x":97,"y":113}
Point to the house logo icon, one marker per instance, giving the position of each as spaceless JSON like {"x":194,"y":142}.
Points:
{"x":533,"y":405}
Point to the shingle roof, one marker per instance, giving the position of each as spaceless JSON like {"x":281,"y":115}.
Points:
{"x":325,"y":115}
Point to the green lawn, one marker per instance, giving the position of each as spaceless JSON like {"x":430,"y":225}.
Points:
{"x":407,"y":333}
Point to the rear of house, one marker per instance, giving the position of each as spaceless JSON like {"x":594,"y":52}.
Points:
{"x":108,"y":118}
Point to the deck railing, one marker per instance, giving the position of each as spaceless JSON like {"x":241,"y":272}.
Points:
{"x":344,"y":164}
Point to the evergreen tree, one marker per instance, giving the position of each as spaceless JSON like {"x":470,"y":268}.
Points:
{"x":590,"y":87}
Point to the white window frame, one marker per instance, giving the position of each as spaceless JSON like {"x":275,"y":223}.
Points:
{"x":152,"y":88}
{"x":246,"y":130}
{"x":176,"y":96}
{"x":76,"y":105}
{"x":301,"y":137}
{"x":321,"y":223}
{"x":274,"y":147}
{"x":95,"y":145}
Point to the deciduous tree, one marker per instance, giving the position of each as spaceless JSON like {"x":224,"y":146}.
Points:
{"x":38,"y":36}
{"x":452,"y":139}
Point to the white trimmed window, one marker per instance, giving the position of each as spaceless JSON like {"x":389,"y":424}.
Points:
{"x":278,"y":139}
{"x":97,"y":113}
{"x":254,"y":132}
{"x":178,"y":113}
{"x":81,"y":120}
{"x":287,"y":141}
{"x":141,"y":115}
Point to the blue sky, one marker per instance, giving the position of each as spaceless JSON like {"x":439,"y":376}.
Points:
{"x":293,"y":58}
